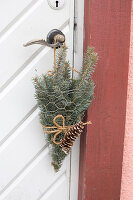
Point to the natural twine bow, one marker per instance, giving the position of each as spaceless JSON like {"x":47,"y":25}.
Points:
{"x":57,"y":129}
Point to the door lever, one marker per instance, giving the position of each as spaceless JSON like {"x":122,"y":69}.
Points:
{"x":55,"y":39}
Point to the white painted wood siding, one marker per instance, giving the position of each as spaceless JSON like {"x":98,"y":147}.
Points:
{"x":25,"y":166}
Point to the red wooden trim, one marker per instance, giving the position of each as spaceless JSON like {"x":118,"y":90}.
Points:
{"x":107,"y":28}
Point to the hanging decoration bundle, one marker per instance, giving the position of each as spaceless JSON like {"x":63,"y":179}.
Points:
{"x":63,"y":100}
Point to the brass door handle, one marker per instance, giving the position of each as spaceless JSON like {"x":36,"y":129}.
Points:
{"x":55,"y":39}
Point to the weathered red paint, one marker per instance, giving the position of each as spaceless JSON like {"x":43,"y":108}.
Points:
{"x":107,"y":28}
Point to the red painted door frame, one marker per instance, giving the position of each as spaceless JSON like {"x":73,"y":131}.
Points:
{"x":107,"y":28}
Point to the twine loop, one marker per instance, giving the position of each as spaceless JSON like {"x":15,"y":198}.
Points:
{"x":57,"y":129}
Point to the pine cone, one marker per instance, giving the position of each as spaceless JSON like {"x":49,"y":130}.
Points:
{"x":70,"y":137}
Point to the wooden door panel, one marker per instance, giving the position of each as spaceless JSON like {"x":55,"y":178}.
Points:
{"x":58,"y":189}
{"x":37,"y":179}
{"x":21,"y":92}
{"x":10,"y":12}
{"x":22,"y":134}
{"x":19,"y":100}
{"x":25,"y":171}
{"x":21,"y":148}
{"x":36,"y":24}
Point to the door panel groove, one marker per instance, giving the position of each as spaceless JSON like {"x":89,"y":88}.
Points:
{"x":34,"y":58}
{"x":13,"y":11}
{"x":19,"y":19}
{"x":53,"y":186}
{"x":18,"y":125}
{"x":29,"y":166}
{"x":15,"y":132}
{"x":26,"y":65}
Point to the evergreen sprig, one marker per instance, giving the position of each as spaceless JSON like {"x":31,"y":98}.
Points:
{"x":59,"y":94}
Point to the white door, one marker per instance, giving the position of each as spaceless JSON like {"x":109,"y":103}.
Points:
{"x":25,"y":166}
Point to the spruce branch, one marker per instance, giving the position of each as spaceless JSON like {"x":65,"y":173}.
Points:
{"x":60,"y":94}
{"x":89,"y":64}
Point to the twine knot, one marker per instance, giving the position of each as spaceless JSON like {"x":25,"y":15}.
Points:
{"x":57,"y":129}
